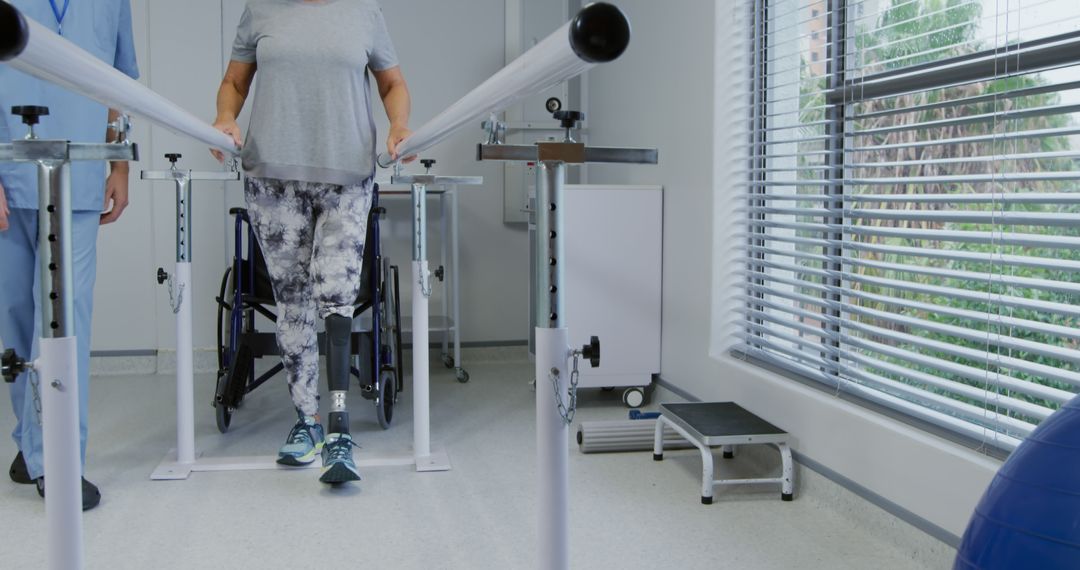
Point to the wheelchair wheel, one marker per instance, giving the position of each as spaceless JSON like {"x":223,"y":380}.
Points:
{"x":224,"y":307}
{"x":390,"y":324}
{"x":234,"y":366}
{"x":222,"y":412}
{"x":399,"y":367}
{"x":384,"y":404}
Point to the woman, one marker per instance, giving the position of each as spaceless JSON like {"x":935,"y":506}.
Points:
{"x":310,"y":162}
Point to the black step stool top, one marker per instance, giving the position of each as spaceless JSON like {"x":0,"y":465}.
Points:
{"x":722,"y":423}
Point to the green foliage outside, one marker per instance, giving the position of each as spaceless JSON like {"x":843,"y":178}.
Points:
{"x":912,"y":33}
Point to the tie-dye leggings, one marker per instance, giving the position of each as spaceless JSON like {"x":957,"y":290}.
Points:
{"x":312,"y":236}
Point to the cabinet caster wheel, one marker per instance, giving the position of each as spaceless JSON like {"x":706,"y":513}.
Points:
{"x":448,"y":361}
{"x":462,"y":375}
{"x":633,"y":397}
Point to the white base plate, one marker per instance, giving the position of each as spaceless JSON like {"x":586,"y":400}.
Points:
{"x":170,"y":470}
{"x":437,"y":461}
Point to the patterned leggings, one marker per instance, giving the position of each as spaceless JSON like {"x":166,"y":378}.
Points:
{"x":312,"y":236}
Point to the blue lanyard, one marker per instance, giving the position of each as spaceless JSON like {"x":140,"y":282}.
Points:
{"x":59,"y":15}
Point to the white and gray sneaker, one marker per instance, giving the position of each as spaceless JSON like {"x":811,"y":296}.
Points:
{"x":304,"y":441}
{"x":338,"y":464}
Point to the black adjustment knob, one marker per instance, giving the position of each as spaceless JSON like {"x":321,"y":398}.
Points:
{"x":428,"y":163}
{"x":11,"y":365}
{"x":569,"y":119}
{"x":30,"y":113}
{"x":553,"y":104}
{"x":173,"y":157}
{"x":591,"y":351}
{"x":162,"y":277}
{"x":440,"y":273}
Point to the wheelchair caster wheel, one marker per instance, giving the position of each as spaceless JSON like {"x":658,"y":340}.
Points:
{"x":222,"y":412}
{"x":462,"y":375}
{"x":384,"y":404}
{"x":448,"y":361}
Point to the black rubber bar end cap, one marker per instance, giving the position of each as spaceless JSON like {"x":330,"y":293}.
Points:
{"x":599,"y":33}
{"x":706,"y":500}
{"x":14,"y":33}
{"x":658,"y":457}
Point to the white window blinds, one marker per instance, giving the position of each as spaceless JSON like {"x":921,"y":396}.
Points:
{"x":914,"y":205}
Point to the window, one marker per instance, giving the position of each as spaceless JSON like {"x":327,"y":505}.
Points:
{"x":914,"y":205}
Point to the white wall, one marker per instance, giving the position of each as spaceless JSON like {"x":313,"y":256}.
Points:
{"x":446,"y":48}
{"x":670,"y":90}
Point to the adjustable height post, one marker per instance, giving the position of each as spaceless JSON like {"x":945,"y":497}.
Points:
{"x":552,"y":351}
{"x":556,"y":388}
{"x":421,"y":294}
{"x":185,"y":359}
{"x":180,"y":295}
{"x":57,"y":363}
{"x":426,"y":460}
{"x":57,"y":368}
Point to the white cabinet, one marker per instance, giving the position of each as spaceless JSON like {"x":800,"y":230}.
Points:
{"x":614,"y":262}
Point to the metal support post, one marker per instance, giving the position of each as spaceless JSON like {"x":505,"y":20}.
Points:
{"x":58,"y":369}
{"x":426,"y":460}
{"x":455,"y":285}
{"x":421,"y":296}
{"x":180,"y":296}
{"x":552,"y":353}
{"x":57,"y":363}
{"x":556,"y":386}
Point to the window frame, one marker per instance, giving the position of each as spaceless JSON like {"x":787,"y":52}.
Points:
{"x":841,"y":95}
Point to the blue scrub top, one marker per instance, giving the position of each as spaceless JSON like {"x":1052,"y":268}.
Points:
{"x":101,"y":27}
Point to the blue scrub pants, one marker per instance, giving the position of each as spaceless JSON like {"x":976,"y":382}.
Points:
{"x":20,"y":321}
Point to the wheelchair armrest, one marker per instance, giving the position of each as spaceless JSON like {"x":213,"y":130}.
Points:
{"x":237,"y":211}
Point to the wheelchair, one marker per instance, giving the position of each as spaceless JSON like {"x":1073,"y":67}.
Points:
{"x":246,"y":291}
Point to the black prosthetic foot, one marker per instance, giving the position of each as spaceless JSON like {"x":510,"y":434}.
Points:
{"x":338,"y":423}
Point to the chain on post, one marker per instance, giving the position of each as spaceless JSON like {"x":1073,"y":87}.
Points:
{"x":32,"y":379}
{"x":566,"y":411}
{"x":425,"y":284}
{"x":175,"y":300}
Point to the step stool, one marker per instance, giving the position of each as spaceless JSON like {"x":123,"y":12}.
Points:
{"x":727,"y":424}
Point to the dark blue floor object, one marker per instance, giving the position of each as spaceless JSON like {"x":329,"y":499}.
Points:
{"x":1029,"y":517}
{"x":640,"y":415}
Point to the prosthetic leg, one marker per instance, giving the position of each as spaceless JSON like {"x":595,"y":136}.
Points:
{"x":338,"y":464}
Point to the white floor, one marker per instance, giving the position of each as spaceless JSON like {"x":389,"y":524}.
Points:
{"x":627,"y":511}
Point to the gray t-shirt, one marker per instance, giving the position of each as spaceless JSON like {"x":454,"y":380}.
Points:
{"x":311,"y":116}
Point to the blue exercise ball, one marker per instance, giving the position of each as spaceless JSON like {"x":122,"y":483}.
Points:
{"x":1029,"y":517}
